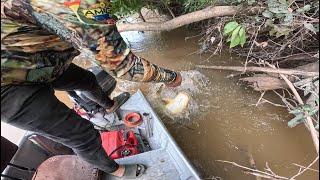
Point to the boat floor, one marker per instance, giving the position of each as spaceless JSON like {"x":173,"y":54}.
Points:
{"x":159,"y":166}
{"x":165,"y":161}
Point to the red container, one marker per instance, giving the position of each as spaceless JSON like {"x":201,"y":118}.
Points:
{"x":117,"y":146}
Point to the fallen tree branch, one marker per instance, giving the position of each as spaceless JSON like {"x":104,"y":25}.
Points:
{"x":270,"y":81}
{"x":313,"y":131}
{"x":264,"y":82}
{"x":207,"y":13}
{"x":309,"y":122}
{"x":262,"y":69}
{"x":268,"y":173}
{"x":305,"y":168}
{"x":255,"y":172}
{"x":308,"y":168}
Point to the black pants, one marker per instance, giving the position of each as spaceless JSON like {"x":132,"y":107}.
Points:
{"x":36,"y":108}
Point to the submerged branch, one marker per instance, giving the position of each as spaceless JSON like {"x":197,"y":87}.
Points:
{"x":255,"y":172}
{"x":313,"y":131}
{"x":262,"y":69}
{"x":306,"y":168}
{"x":269,"y":174}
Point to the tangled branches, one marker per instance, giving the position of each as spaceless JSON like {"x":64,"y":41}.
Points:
{"x":269,"y":174}
{"x":285,"y":35}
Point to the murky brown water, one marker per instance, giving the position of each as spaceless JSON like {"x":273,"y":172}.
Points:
{"x":225,"y":124}
{"x":229,"y":125}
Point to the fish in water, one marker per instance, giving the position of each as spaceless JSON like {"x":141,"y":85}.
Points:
{"x":178,"y":104}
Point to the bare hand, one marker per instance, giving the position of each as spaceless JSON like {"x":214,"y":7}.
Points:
{"x":119,"y":172}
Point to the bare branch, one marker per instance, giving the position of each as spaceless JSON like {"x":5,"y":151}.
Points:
{"x":301,"y":172}
{"x":262,"y":69}
{"x":207,"y":13}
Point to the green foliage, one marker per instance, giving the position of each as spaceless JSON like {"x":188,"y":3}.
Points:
{"x":249,"y":2}
{"x":311,"y":27}
{"x":122,"y":8}
{"x":301,"y":113}
{"x":194,"y":5}
{"x":280,"y":17}
{"x":236,"y":34}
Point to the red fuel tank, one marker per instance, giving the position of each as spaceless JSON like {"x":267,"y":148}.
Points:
{"x":119,"y":144}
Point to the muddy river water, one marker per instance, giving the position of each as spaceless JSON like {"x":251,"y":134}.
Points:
{"x":225,"y":124}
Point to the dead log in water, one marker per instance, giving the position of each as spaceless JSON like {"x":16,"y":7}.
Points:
{"x":270,"y":79}
{"x":306,"y":73}
{"x":264,"y":82}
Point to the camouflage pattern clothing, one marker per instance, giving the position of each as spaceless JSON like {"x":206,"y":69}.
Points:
{"x":40,"y":38}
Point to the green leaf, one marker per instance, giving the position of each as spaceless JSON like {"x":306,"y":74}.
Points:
{"x":280,"y":15}
{"x":278,"y":10}
{"x":235,"y":33}
{"x":251,"y":2}
{"x":295,"y":111}
{"x":242,"y":35}
{"x":281,"y":31}
{"x":310,"y":27}
{"x":272,"y":32}
{"x":257,"y":18}
{"x":269,"y":22}
{"x":242,"y":31}
{"x":289,"y":18}
{"x":243,"y":40}
{"x":235,"y":42}
{"x":305,"y":8}
{"x":295,"y":121}
{"x":267,"y":14}
{"x":229,"y":27}
{"x":284,"y":2}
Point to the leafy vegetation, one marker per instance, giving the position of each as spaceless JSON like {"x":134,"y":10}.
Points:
{"x":236,"y":34}
{"x":122,"y":8}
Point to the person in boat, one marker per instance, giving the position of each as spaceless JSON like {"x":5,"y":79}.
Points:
{"x":39,"y":40}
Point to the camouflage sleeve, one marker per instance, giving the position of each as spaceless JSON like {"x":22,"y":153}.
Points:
{"x":69,"y":20}
{"x":113,"y":54}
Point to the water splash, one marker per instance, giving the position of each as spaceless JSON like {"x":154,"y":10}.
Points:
{"x":194,"y":83}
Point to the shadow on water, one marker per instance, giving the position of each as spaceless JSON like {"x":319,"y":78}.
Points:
{"x":222,"y":122}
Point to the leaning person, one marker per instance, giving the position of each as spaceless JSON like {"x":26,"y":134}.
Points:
{"x":39,"y":40}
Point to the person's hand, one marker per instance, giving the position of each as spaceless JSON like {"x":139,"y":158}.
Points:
{"x":176,"y":82}
{"x":119,"y":172}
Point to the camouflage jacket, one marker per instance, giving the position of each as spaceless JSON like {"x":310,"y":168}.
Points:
{"x":40,"y":38}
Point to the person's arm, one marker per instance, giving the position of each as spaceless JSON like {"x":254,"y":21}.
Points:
{"x":111,"y":51}
{"x":113,"y":54}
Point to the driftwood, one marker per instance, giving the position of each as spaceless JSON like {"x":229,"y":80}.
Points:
{"x":271,"y":79}
{"x":263,"y":69}
{"x":264,"y":82}
{"x":207,"y":13}
{"x":308,"y":121}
